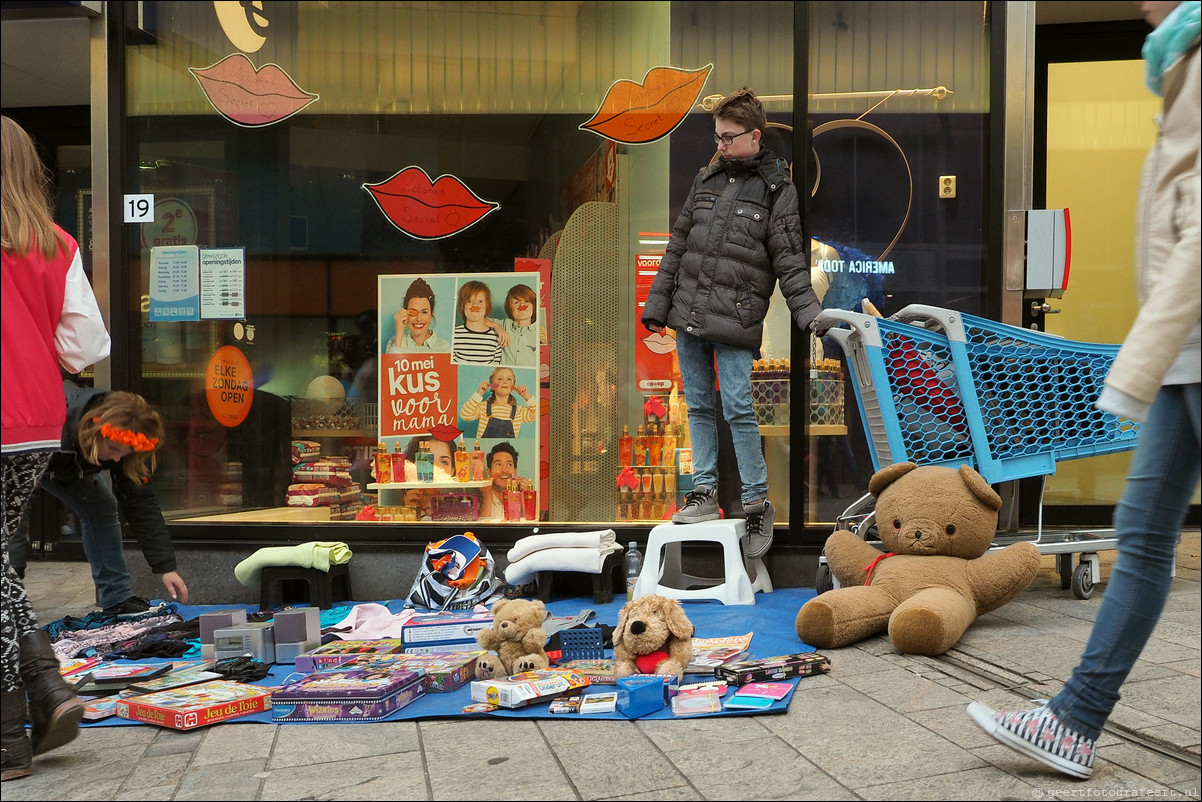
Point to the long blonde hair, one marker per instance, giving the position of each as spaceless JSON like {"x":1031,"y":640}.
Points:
{"x":127,"y":412}
{"x":25,"y":207}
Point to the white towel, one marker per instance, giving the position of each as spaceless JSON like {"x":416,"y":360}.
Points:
{"x":579,"y":560}
{"x":601,"y":539}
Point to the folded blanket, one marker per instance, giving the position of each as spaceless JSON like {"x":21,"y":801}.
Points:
{"x":579,"y":560}
{"x":307,"y":555}
{"x":602,"y":539}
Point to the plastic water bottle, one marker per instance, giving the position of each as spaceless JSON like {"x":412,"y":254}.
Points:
{"x":634,"y":566}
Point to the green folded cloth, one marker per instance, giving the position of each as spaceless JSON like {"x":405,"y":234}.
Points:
{"x":307,"y":555}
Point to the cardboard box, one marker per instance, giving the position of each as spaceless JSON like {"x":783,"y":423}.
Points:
{"x":346,"y":695}
{"x":196,"y":705}
{"x":337,"y":652}
{"x":527,"y":688}
{"x":787,"y":666}
{"x":429,"y":632}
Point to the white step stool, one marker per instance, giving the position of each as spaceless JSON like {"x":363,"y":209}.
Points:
{"x":736,"y":587}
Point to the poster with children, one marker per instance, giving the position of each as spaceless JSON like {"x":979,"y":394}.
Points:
{"x":459,"y":379}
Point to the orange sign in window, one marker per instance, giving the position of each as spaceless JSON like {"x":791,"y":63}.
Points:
{"x":229,"y":386}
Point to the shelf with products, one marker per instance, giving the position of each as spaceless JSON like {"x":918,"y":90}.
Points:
{"x":304,"y":434}
{"x":451,"y":484}
{"x":813,"y":430}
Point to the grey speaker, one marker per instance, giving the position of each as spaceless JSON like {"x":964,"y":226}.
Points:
{"x":296,"y":632}
{"x":300,"y":624}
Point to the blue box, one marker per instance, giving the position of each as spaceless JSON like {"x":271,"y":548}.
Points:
{"x":642,"y":694}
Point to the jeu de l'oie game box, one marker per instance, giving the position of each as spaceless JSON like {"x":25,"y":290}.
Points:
{"x":195,"y":706}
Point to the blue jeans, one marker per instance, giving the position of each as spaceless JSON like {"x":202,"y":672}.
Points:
{"x":697,"y":357}
{"x":91,"y":498}
{"x":1148,"y":520}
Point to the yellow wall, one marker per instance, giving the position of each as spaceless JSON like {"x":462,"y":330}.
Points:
{"x":1100,"y":126}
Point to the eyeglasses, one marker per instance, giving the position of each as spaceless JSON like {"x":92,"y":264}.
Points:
{"x":728,"y":139}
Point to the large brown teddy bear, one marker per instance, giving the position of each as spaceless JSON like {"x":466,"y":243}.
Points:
{"x":516,"y":641}
{"x":937,"y":573}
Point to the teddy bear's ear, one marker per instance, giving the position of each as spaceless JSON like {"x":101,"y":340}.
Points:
{"x":980,"y":488}
{"x":887,"y":476}
{"x":496,"y":608}
{"x":678,"y":623}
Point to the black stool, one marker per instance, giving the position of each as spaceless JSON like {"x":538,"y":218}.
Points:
{"x":603,"y":583}
{"x":275,"y":578}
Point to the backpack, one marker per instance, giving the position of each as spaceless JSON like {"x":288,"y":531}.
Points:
{"x":457,"y":573}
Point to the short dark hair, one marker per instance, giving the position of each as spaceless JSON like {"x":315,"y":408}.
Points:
{"x":507,"y":448}
{"x":744,"y":108}
{"x":419,"y":289}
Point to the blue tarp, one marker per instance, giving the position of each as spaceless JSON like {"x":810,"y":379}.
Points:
{"x":770,"y":619}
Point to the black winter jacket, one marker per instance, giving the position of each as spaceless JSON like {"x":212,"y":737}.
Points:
{"x":729,"y":247}
{"x":136,"y":501}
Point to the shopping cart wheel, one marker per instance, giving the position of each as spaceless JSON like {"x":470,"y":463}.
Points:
{"x":1064,"y":565}
{"x":1082,"y":582}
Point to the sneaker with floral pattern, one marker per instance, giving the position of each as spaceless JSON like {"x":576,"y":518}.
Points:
{"x":1039,"y":734}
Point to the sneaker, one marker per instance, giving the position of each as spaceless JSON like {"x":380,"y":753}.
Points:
{"x":699,"y":505}
{"x":761,"y":517}
{"x":134,"y":605}
{"x":1039,"y":734}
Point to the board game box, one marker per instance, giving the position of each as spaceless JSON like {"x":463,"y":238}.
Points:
{"x":425,"y":633}
{"x":527,"y":688}
{"x":599,"y":671}
{"x":195,"y":706}
{"x":442,"y":672}
{"x":352,"y":694}
{"x":787,"y":666}
{"x":176,"y":679}
{"x":337,"y":652}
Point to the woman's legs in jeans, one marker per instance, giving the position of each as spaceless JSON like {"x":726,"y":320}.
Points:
{"x":1148,"y":520}
{"x":93,"y":501}
{"x":20,"y":475}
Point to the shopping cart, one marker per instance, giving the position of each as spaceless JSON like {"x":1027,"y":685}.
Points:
{"x":939,"y":387}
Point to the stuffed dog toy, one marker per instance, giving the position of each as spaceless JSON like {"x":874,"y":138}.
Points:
{"x":653,"y":636}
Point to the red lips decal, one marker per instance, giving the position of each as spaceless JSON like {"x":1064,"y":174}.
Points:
{"x":445,"y":432}
{"x":637,"y":113}
{"x":249,"y":97}
{"x":426,"y":209}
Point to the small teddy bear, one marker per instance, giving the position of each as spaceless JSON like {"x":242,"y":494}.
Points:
{"x":516,"y":641}
{"x":653,"y":636}
{"x":937,"y":573}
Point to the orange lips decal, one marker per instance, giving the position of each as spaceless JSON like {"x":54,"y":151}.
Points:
{"x":249,"y":97}
{"x":426,"y":209}
{"x":637,"y":113}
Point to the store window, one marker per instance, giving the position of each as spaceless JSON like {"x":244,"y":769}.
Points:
{"x":899,"y":117}
{"x":311,"y":162}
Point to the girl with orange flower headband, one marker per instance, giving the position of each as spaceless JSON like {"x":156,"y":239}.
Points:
{"x":118,"y":434}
